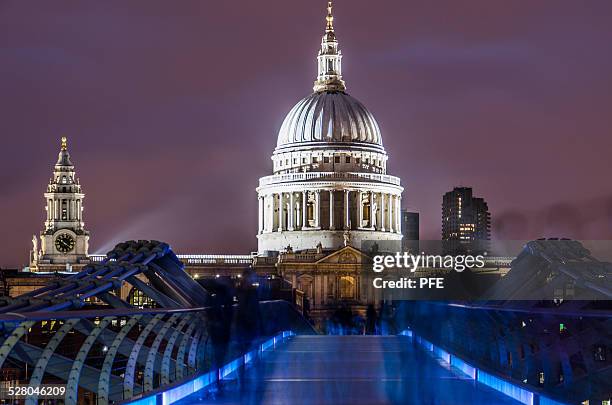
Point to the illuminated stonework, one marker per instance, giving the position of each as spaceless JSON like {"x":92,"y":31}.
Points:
{"x":329,"y":186}
{"x":64,"y":242}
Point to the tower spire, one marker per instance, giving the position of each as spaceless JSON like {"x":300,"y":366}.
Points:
{"x":329,"y":76}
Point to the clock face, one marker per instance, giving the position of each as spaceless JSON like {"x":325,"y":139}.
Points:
{"x":64,"y":243}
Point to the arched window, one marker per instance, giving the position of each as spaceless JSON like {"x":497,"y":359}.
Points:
{"x":347,"y":288}
{"x":305,"y":285}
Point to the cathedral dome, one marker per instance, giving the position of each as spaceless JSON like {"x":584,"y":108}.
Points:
{"x":329,"y":186}
{"x":329,"y":116}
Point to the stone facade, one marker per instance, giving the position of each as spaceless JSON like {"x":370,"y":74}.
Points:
{"x":329,"y":279}
{"x":64,"y":241}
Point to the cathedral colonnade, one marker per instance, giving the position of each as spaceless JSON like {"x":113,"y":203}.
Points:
{"x":329,"y":209}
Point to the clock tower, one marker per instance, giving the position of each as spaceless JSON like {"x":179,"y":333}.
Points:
{"x":64,"y":242}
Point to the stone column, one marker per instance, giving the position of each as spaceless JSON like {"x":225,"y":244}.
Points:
{"x":325,"y":293}
{"x":260,"y":215}
{"x":359,"y":209}
{"x":291,"y":211}
{"x":390,"y":212}
{"x":331,"y":210}
{"x":280,"y":212}
{"x":372,"y":212}
{"x":382,"y":212}
{"x":304,"y":209}
{"x":263,"y":214}
{"x":347,"y":210}
{"x":298,"y":215}
{"x":318,"y":208}
{"x":398,"y":226}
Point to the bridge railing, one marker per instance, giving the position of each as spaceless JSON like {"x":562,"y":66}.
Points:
{"x":114,"y":351}
{"x":109,"y":354}
{"x":559,"y":350}
{"x":112,"y":355}
{"x":176,"y":392}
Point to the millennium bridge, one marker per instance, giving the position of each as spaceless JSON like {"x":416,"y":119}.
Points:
{"x":78,"y":334}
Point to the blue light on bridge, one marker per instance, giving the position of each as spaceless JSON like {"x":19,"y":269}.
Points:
{"x":179,"y":392}
{"x":427,"y":345}
{"x":512,"y":390}
{"x":464,"y":367}
{"x":267,"y":344}
{"x":250,"y":356}
{"x":230,"y":367}
{"x":443,"y":354}
{"x":507,"y":388}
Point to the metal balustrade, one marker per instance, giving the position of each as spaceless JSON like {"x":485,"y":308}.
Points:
{"x":328,"y":176}
{"x":536,"y":346}
{"x":117,"y":352}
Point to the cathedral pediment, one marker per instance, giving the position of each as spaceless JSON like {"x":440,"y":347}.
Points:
{"x":346,"y":255}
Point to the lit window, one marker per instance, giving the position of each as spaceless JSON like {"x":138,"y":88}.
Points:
{"x":138,"y":299}
{"x":347,"y":287}
{"x":315,"y":159}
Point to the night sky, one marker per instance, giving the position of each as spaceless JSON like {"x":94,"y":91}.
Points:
{"x":172,"y":110}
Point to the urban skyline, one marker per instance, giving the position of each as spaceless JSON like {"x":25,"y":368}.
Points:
{"x":194,"y":143}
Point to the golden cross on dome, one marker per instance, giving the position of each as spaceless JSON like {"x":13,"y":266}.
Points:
{"x":64,"y":143}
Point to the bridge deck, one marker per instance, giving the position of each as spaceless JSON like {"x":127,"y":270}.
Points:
{"x":339,"y":370}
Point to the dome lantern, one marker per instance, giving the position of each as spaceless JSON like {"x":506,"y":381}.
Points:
{"x":329,"y":60}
